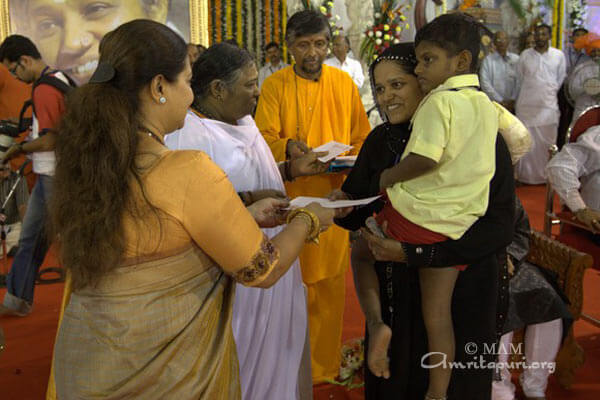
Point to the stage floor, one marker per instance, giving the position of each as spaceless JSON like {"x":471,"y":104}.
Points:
{"x":25,"y":364}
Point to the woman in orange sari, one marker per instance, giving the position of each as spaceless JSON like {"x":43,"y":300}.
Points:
{"x":153,"y":239}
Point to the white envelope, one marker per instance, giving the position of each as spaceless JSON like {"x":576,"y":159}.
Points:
{"x":333,"y":148}
{"x":303,"y":201}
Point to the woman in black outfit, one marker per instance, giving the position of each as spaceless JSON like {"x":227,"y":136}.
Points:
{"x":389,"y":292}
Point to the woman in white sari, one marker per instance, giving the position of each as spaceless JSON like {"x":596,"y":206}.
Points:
{"x":269,"y":326}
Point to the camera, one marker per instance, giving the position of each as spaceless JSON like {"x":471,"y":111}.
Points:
{"x":10,"y":130}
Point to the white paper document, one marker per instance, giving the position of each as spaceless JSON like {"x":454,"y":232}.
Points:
{"x":333,"y":148}
{"x":303,"y":201}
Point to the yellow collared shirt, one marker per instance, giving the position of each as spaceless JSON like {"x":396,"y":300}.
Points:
{"x":456,"y":126}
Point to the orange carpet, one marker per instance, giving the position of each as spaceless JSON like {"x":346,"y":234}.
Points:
{"x":25,"y":364}
{"x":587,"y":378}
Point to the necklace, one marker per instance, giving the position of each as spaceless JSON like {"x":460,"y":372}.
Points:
{"x":153,"y":135}
{"x":198,"y":109}
{"x":310,"y":108}
{"x":396,"y":143}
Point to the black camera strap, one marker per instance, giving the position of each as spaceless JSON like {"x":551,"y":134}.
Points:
{"x":47,"y":78}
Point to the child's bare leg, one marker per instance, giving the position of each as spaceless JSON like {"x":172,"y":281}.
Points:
{"x":380,"y":336}
{"x":437,"y":285}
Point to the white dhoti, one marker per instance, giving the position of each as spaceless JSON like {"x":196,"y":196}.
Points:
{"x":531,"y":168}
{"x":540,"y":75}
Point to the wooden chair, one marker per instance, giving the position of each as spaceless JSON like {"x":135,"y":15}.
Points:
{"x":569,"y":265}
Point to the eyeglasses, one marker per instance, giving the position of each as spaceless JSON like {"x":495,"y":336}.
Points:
{"x":13,"y":70}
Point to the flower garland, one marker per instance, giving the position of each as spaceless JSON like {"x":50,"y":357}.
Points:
{"x":252,"y":23}
{"x":326,"y":9}
{"x":352,"y":365}
{"x":389,"y":22}
{"x":577,"y":10}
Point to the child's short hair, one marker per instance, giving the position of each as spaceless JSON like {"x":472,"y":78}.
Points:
{"x":454,"y":33}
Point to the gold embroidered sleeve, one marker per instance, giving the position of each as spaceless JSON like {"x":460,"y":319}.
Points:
{"x":260,"y":266}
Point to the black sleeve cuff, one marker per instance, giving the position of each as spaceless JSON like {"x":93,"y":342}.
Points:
{"x":418,"y":255}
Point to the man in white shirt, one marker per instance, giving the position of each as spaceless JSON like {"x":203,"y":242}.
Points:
{"x":498,"y":74}
{"x":275,"y":63}
{"x":575,"y":175}
{"x":340,"y":46}
{"x":540,"y":74}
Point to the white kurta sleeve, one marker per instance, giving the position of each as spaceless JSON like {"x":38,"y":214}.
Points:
{"x":562,"y":69}
{"x":358,"y":76}
{"x":573,"y":162}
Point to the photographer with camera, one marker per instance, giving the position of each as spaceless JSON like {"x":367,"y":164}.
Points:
{"x":48,"y":100}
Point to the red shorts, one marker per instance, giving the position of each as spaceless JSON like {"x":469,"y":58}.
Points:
{"x":403,"y":230}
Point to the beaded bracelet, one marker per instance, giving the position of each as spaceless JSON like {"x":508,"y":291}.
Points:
{"x":315,"y":225}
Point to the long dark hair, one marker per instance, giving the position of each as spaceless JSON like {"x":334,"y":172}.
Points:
{"x":97,"y":145}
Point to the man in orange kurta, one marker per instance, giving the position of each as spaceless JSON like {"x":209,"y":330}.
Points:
{"x":302,"y":107}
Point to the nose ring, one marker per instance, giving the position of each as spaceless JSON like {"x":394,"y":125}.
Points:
{"x":85,"y":41}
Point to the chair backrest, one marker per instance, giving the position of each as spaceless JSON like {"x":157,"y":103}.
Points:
{"x":568,"y":263}
{"x":588,"y":118}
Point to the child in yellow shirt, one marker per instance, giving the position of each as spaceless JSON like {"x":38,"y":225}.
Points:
{"x":440,"y":187}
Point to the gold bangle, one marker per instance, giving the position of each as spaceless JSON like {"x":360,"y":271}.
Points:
{"x":315,"y":224}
